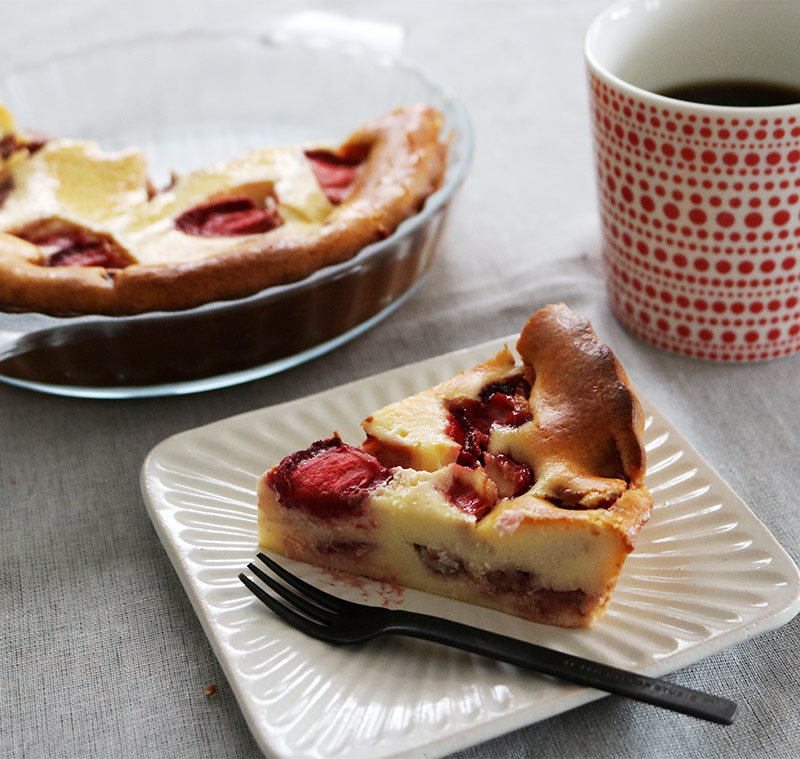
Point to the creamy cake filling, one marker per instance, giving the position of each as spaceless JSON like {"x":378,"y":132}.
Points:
{"x":109,"y":195}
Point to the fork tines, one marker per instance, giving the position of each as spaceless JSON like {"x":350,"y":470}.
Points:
{"x":318,"y":607}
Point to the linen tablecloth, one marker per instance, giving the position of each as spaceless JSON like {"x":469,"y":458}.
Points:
{"x":101,"y":653}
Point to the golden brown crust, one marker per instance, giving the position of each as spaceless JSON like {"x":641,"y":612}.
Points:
{"x":406,"y":163}
{"x":588,"y":420}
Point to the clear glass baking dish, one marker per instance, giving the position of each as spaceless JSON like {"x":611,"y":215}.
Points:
{"x":187,"y":101}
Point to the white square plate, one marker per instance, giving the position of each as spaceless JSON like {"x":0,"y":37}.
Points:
{"x":705,"y":574}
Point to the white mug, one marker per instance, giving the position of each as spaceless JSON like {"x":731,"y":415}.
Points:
{"x":699,"y":202}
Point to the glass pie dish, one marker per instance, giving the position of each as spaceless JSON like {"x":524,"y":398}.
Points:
{"x":188,"y":101}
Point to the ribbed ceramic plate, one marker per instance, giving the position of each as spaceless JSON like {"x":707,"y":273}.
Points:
{"x":705,"y":574}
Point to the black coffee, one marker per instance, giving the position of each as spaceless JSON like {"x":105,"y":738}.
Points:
{"x":735,"y":92}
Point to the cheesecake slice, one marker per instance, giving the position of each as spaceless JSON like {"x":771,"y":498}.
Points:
{"x":516,"y":485}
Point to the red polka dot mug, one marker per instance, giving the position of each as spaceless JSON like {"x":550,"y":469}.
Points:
{"x":699,"y":203}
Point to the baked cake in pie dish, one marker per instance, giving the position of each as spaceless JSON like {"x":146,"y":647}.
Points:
{"x":139,"y":286}
{"x":83,"y":231}
{"x":516,"y":485}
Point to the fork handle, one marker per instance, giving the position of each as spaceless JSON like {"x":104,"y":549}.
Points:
{"x":574,"y":669}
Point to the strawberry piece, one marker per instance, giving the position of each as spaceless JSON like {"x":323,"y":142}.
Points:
{"x":335,"y":173}
{"x":468,"y":424}
{"x":227,"y":218}
{"x":64,"y":244}
{"x":6,"y":188}
{"x":464,"y":497}
{"x":327,"y":479}
{"x":511,"y":477}
{"x":8,"y":145}
{"x":511,"y":410}
{"x":85,"y":254}
{"x":249,"y":222}
{"x":470,"y":421}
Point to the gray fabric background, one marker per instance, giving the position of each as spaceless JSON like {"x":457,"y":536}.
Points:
{"x":100,"y":651}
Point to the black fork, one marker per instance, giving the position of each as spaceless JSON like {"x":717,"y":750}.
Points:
{"x":332,"y":619}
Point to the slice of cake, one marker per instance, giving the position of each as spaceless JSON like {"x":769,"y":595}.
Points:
{"x":517,"y":486}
